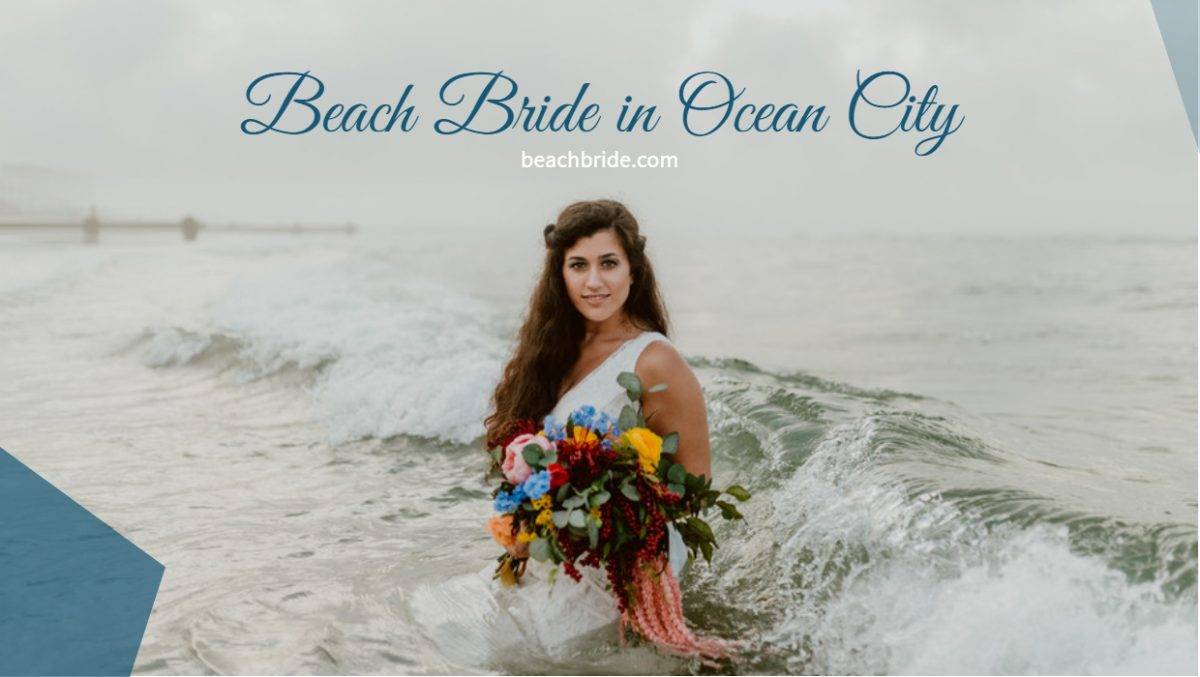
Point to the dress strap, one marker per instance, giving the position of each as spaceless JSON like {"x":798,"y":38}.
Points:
{"x":633,"y":350}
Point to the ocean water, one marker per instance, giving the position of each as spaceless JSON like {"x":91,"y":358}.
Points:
{"x":968,"y":454}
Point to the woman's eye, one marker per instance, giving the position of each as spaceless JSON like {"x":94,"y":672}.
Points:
{"x":578,"y":265}
{"x":609,"y":264}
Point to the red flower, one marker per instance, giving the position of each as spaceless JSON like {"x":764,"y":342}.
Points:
{"x":512,"y":431}
{"x":584,"y":459}
{"x":558,"y":475}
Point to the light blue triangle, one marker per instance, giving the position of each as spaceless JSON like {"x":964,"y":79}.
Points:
{"x":1177,"y":23}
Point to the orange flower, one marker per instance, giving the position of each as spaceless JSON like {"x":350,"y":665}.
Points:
{"x":501,"y":528}
{"x":581,"y":434}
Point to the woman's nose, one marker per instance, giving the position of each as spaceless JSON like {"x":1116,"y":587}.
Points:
{"x":592,"y":281}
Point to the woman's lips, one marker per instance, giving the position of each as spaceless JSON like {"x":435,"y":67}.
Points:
{"x":595,"y":299}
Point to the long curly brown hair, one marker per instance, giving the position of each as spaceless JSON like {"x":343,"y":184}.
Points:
{"x":553,"y":330}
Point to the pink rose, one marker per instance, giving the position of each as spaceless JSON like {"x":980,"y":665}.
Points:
{"x":516,"y":470}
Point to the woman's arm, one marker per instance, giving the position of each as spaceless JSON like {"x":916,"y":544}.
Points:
{"x":679,"y":408}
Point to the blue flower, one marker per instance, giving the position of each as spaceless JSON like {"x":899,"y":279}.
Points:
{"x":507,"y":502}
{"x":554,"y":431}
{"x":605,"y":424}
{"x":537,"y":485}
{"x":584,"y":416}
{"x":504,"y":503}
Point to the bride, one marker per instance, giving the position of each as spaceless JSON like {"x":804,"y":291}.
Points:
{"x":595,"y":312}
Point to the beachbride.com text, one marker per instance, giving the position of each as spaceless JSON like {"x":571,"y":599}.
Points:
{"x":602,"y":160}
{"x":881,"y":105}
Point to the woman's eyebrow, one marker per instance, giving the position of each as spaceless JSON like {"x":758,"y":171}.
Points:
{"x":609,"y":255}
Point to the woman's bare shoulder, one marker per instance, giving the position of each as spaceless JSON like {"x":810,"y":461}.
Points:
{"x":660,"y":360}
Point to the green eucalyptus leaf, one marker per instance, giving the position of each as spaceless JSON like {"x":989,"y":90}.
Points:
{"x":671,"y":444}
{"x":630,"y":492}
{"x":573,"y":502}
{"x":532,"y":454}
{"x":577,"y":519}
{"x":628,"y":418}
{"x":676,"y":488}
{"x":539,"y":549}
{"x":677,"y":474}
{"x":550,"y":456}
{"x":701,"y":527}
{"x":706,"y":548}
{"x":593,"y":534}
{"x":600,"y":499}
{"x":738,"y":492}
{"x":729,"y":511}
{"x":632,"y":385}
{"x":562,"y":492}
{"x":560,"y":518}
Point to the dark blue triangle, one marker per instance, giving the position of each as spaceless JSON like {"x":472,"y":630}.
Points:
{"x":74,"y":594}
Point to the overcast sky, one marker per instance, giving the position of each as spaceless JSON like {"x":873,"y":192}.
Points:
{"x":1071,"y":118}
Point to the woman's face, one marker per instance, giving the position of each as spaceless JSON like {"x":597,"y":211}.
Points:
{"x":597,"y":274}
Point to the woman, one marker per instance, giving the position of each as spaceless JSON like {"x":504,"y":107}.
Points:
{"x":596,"y":307}
{"x":595,"y":312}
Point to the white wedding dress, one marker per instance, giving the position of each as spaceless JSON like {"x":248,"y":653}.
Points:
{"x":478,"y":621}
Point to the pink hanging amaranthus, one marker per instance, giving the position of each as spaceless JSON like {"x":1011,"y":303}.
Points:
{"x":656,"y":613}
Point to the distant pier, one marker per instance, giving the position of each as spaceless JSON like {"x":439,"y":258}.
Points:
{"x":189,"y":227}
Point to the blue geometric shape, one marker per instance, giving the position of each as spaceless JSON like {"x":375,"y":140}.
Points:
{"x":74,"y":594}
{"x":1177,"y":23}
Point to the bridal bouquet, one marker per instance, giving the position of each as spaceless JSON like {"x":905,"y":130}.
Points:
{"x":598,"y":492}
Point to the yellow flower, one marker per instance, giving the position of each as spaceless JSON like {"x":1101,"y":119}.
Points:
{"x":526,"y":536}
{"x":545,"y":517}
{"x":595,"y":512}
{"x":647,"y":444}
{"x":542,"y":503}
{"x":581,"y":434}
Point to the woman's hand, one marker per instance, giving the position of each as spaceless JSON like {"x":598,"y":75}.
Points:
{"x":520,"y":550}
{"x":679,"y":408}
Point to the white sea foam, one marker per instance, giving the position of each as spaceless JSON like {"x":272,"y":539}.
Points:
{"x":166,"y":346}
{"x":387,"y":358}
{"x":887,"y":584}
